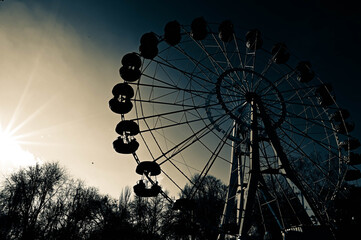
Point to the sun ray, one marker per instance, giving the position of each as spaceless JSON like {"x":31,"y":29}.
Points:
{"x":51,"y":128}
{"x":23,"y":95}
{"x":31,"y":116}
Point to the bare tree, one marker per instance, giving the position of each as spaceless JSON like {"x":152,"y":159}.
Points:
{"x":42,"y":202}
{"x":26,"y":198}
{"x":209,"y":200}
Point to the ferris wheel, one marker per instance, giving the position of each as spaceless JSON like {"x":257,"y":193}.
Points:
{"x":207,"y":99}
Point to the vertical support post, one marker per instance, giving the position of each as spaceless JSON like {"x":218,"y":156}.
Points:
{"x":232,"y":196}
{"x":254,"y":171}
{"x":241,"y":167}
{"x":292,"y":177}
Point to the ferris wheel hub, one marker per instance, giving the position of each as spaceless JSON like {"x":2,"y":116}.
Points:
{"x":236,"y":88}
{"x":251,"y":96}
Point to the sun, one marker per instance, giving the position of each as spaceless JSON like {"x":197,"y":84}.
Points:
{"x":12,"y":156}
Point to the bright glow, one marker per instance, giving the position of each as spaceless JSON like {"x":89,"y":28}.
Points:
{"x":12,"y":156}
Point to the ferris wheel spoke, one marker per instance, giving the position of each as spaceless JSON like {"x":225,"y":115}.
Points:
{"x":210,"y":57}
{"x":271,"y":200}
{"x":287,"y":196}
{"x":242,"y":65}
{"x":163,"y":103}
{"x":290,"y":90}
{"x":185,"y":107}
{"x":281,"y":223}
{"x":171,"y":161}
{"x":309,"y":106}
{"x":179,"y":170}
{"x":207,"y":167}
{"x":141,"y":111}
{"x":197,"y":139}
{"x":174,"y":112}
{"x":263,"y":73}
{"x":184,"y":163}
{"x":277,"y":82}
{"x":210,"y":162}
{"x":229,"y":62}
{"x":176,"y":124}
{"x":238,"y":51}
{"x":231,"y":55}
{"x":285,"y":76}
{"x":187,"y":144}
{"x":147,"y":146}
{"x":164,"y":50}
{"x":176,"y":90}
{"x":298,"y":149}
{"x":214,"y":62}
{"x":249,"y":63}
{"x":171,"y":179}
{"x":188,"y":141}
{"x":233,"y":86}
{"x":154,"y":138}
{"x":305,"y":187}
{"x":267,"y":154}
{"x":305,"y":94}
{"x":304,"y":104}
{"x":304,"y":154}
{"x":170,"y":87}
{"x":174,"y":160}
{"x":190,"y":75}
{"x":310,"y":120}
{"x":137,"y":113}
{"x":167,"y":74}
{"x":145,"y":65}
{"x":164,"y":96}
{"x":198,"y":63}
{"x":303,"y":132}
{"x":194,"y":80}
{"x":177,"y":98}
{"x":302,"y":143}
{"x":303,"y":97}
{"x":222,"y":49}
{"x":313,"y":119}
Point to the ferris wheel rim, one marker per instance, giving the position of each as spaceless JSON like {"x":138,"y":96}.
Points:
{"x":288,"y":131}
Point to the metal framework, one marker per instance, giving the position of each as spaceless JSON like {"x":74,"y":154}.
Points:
{"x":206,"y":101}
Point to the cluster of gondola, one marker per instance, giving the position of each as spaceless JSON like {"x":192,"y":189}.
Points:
{"x":339,"y":120}
{"x":343,"y":127}
{"x":121,"y":103}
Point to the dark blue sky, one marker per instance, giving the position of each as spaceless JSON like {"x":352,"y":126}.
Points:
{"x":326,"y":33}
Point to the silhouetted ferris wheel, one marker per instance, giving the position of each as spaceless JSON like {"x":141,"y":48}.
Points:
{"x":206,"y":99}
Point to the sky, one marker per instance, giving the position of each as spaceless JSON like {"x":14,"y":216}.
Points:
{"x":59,"y":61}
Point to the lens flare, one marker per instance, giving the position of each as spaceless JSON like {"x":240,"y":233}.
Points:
{"x":12,"y":156}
